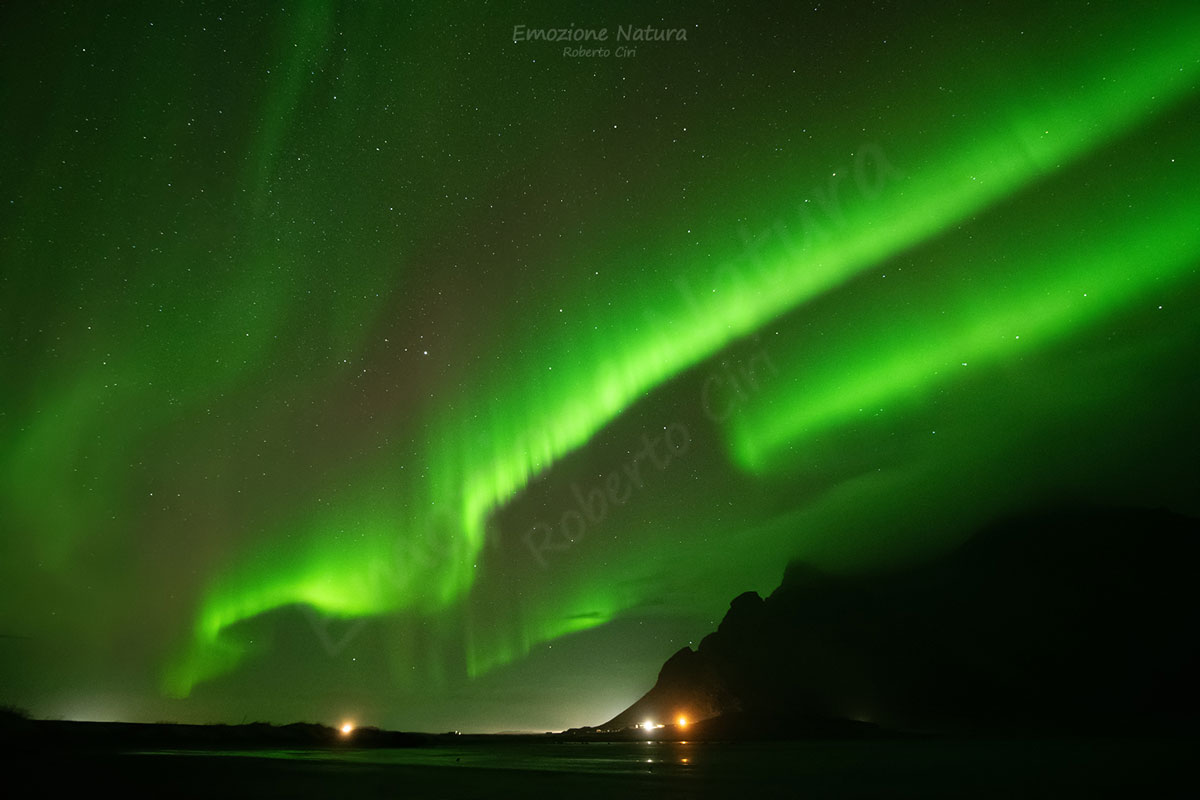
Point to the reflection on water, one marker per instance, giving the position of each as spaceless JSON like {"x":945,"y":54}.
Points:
{"x":667,"y":758}
{"x":912,"y":767}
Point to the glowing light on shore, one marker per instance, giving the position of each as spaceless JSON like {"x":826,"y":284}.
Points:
{"x":347,"y":728}
{"x":682,"y":722}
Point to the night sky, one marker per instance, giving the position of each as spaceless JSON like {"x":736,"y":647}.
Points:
{"x":360,"y":362}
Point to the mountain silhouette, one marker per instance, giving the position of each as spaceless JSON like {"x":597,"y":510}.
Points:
{"x":1077,"y":620}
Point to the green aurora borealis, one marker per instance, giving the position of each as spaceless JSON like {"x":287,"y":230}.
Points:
{"x":345,"y":344}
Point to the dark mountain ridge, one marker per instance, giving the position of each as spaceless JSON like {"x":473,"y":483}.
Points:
{"x":1063,"y":620}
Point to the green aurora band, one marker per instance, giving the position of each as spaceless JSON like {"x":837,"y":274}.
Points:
{"x":997,"y":318}
{"x":417,"y":547}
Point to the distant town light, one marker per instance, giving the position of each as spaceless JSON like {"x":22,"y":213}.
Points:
{"x":648,"y":725}
{"x":347,"y":728}
{"x":682,"y":721}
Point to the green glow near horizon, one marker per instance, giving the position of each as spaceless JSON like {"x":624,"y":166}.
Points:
{"x":417,"y":550}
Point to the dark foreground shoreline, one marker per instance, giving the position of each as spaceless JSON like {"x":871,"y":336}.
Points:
{"x":846,"y":769}
{"x":452,"y":766}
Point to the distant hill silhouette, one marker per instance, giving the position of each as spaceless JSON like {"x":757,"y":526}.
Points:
{"x":1066,"y":620}
{"x":19,"y":733}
